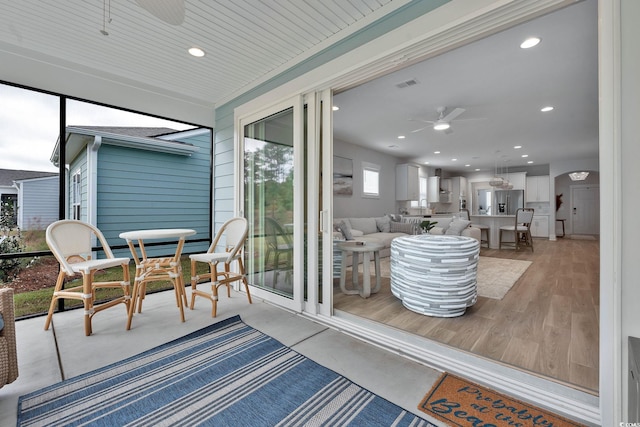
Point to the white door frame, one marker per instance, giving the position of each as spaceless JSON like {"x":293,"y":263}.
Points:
{"x":241,"y":119}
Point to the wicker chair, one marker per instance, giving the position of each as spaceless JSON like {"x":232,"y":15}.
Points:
{"x":8,"y":353}
{"x":71,"y":244}
{"x":235,"y":233}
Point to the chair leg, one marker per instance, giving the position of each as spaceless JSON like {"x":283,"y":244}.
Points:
{"x":500,"y":243}
{"x":214,"y":300}
{"x":88,"y":302}
{"x":194,"y":284}
{"x":52,"y":306}
{"x":244,"y":279}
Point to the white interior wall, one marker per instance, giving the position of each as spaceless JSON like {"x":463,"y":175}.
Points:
{"x":356,"y":205}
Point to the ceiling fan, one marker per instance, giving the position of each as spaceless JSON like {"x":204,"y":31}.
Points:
{"x":169,"y":11}
{"x":443,"y":123}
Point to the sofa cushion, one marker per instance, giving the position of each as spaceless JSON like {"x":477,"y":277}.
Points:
{"x":383,"y":224}
{"x":366,"y":225}
{"x":456,"y":226}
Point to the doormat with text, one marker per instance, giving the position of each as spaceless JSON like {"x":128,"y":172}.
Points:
{"x":462,"y":403}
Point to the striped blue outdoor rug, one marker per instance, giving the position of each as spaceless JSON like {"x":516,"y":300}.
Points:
{"x":227,"y":374}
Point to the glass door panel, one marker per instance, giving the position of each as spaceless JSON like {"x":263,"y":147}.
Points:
{"x":269,"y":202}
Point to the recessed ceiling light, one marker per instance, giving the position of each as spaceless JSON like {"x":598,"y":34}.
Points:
{"x":436,"y":152}
{"x":517,"y":147}
{"x":197,"y":52}
{"x":335,"y":108}
{"x":454,"y":160}
{"x":530,"y":161}
{"x":426,"y":163}
{"x":466,"y":166}
{"x":401,"y":137}
{"x":530,"y":42}
{"x":525,"y":155}
{"x":546,"y":109}
{"x":477,"y":170}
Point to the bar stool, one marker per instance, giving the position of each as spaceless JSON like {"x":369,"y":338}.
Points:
{"x":484,"y":231}
{"x":562,"y":222}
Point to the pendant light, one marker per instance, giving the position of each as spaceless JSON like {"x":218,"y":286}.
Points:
{"x":496,"y":181}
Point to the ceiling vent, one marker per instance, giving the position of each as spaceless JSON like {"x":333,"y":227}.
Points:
{"x":406,"y":83}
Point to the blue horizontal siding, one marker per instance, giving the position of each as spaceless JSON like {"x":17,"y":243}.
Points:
{"x":39,"y":203}
{"x":139,"y":190}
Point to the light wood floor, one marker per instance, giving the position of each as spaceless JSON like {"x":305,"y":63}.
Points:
{"x":548,"y":323}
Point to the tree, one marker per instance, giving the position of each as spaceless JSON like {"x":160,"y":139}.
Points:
{"x":10,"y":241}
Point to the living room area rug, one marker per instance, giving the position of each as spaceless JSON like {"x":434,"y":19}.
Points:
{"x":227,"y":374}
{"x":459,"y":402}
{"x":495,"y":275}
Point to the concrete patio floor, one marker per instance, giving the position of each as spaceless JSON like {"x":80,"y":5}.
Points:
{"x":46,"y":357}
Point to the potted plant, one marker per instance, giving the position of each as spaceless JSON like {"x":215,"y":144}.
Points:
{"x":427,"y":225}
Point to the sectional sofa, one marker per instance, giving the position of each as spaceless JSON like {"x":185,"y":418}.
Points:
{"x":386,"y":228}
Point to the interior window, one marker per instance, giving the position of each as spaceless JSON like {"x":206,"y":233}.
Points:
{"x":423,"y":194}
{"x":370,"y":180}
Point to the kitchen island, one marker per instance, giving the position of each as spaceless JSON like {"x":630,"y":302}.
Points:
{"x":495,"y":222}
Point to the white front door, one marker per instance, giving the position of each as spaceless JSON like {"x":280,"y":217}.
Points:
{"x":585,"y":209}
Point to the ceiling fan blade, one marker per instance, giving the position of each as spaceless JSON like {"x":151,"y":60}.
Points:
{"x":422,"y":120}
{"x":169,"y":11}
{"x":452,"y":115}
{"x":418,"y":130}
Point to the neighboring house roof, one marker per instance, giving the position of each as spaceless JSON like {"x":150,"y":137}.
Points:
{"x":143,"y":132}
{"x":8,"y":176}
{"x":146,"y":138}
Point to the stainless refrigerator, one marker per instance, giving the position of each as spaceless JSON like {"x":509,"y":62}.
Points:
{"x":508,"y":201}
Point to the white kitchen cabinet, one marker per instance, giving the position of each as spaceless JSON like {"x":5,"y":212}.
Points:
{"x":517,"y":179}
{"x":438,"y":190}
{"x":407,"y":182}
{"x":540,"y":226}
{"x":537,"y":189}
{"x":458,"y":188}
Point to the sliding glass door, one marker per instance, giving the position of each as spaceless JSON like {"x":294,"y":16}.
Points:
{"x":271,"y":202}
{"x":281,"y":197}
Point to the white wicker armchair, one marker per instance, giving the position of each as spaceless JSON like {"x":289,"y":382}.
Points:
{"x":8,"y":353}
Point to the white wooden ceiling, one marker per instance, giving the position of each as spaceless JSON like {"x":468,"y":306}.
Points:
{"x":249,"y":41}
{"x":246,"y":41}
{"x":502,"y":89}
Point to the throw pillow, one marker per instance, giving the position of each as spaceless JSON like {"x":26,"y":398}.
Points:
{"x":456,"y":226}
{"x":383,"y":224}
{"x":346,"y":230}
{"x":402,"y":227}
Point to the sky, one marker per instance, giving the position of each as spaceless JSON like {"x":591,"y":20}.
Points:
{"x":29,"y":125}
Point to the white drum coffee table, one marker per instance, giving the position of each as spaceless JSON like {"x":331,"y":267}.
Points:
{"x":435,"y":275}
